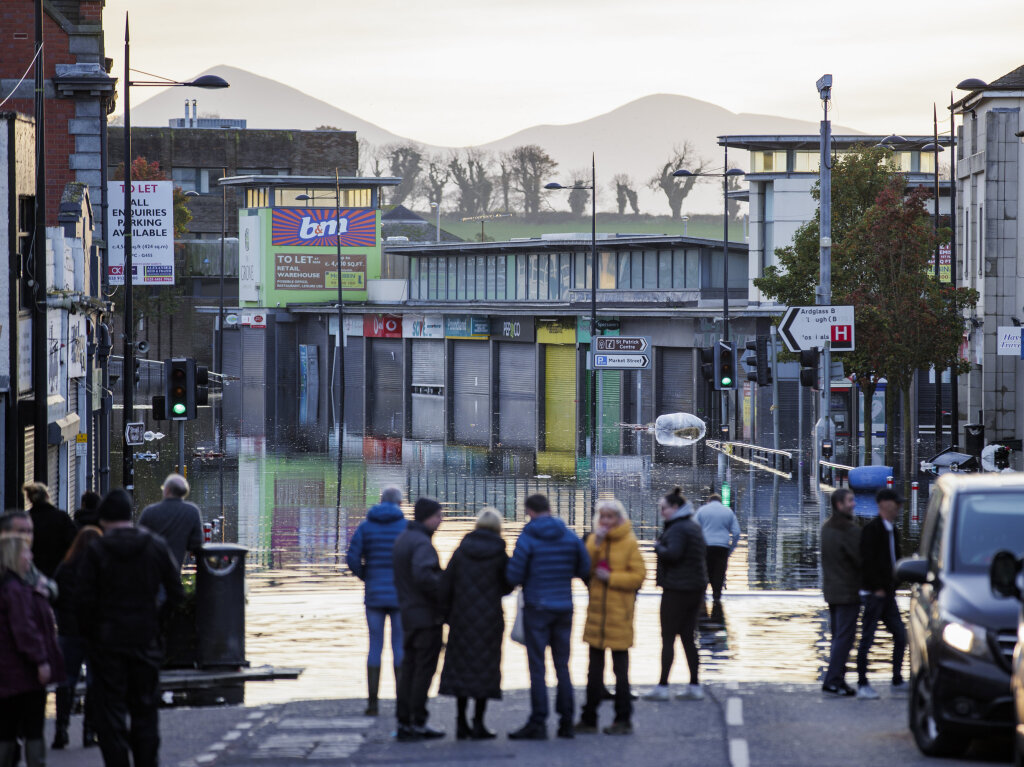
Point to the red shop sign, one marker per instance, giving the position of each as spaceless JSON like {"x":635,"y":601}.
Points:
{"x":382,"y":326}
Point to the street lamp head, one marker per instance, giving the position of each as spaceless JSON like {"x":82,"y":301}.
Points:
{"x":191,"y":193}
{"x":892,"y":139}
{"x":682,"y":172}
{"x":931,"y":146}
{"x":303,"y":197}
{"x":971,"y":84}
{"x":210,"y":82}
{"x":735,"y":172}
{"x":433,"y":205}
{"x":554,"y":185}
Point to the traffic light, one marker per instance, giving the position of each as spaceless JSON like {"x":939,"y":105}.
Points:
{"x":758,"y":368}
{"x":707,"y":363}
{"x":809,"y":367}
{"x":202,"y":391}
{"x":179,"y":389}
{"x":725,"y":366}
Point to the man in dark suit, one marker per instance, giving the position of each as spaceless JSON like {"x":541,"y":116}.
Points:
{"x":174,"y":519}
{"x":879,"y":550}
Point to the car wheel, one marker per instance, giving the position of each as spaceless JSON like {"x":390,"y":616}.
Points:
{"x":927,"y":732}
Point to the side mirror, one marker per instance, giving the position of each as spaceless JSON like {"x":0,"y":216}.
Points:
{"x":912,"y":570}
{"x":1003,"y":574}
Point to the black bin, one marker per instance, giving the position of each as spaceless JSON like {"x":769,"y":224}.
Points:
{"x":220,"y":605}
{"x":974,"y":438}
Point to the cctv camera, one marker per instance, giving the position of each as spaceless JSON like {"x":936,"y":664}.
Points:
{"x":824,"y":86}
{"x":142,"y":347}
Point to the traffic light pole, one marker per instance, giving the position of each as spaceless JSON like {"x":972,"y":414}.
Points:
{"x":181,"y":447}
{"x":824,"y":426}
{"x":775,"y":388}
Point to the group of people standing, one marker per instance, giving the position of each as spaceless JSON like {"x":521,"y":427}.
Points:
{"x":406,"y":585}
{"x":858,"y":582}
{"x":110,"y":584}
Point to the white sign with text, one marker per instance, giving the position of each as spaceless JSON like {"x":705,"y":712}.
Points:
{"x":152,"y":233}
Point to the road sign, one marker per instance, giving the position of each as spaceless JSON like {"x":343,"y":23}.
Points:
{"x":608,"y":324}
{"x":623,"y":343}
{"x":134,"y":433}
{"x":806,"y":327}
{"x":620,"y":361}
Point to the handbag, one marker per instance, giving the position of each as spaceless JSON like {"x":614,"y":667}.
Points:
{"x":518,"y":630}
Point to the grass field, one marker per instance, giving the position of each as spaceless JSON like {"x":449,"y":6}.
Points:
{"x":503,"y":229}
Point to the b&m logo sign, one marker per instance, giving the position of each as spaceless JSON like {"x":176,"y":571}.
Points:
{"x":314,"y":227}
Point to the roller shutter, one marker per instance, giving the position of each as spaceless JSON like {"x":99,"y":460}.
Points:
{"x":471,"y":386}
{"x":560,"y":398}
{"x":427,"y":389}
{"x":517,"y":395}
{"x":609,"y":387}
{"x":355,"y":383}
{"x":386,"y":412}
{"x":675,"y":381}
{"x":254,"y":379}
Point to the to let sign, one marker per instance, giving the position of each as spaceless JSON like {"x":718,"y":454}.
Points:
{"x":808,"y":327}
{"x":152,"y":233}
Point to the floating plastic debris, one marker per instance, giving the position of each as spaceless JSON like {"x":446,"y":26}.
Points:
{"x":679,"y":429}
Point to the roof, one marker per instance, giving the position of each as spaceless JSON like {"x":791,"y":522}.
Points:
{"x":327,"y":182}
{"x":764,"y":142}
{"x":402,"y":215}
{"x":548,"y":245}
{"x":1011,"y":81}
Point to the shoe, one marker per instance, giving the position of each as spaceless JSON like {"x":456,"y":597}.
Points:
{"x":60,"y":739}
{"x":584,"y":728}
{"x":371,"y":709}
{"x":607,"y":694}
{"x":427,"y":732}
{"x":529,"y":731}
{"x":566,"y":730}
{"x":841,"y":690}
{"x":407,"y":734}
{"x":89,"y":738}
{"x":691,"y":692}
{"x":659,"y":693}
{"x":900,"y":686}
{"x":480,"y":732}
{"x":619,"y":728}
{"x":867,"y":692}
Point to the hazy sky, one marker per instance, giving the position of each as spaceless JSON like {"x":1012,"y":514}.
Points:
{"x":459,"y":72}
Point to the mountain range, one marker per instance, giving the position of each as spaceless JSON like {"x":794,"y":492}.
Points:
{"x":635,"y":138}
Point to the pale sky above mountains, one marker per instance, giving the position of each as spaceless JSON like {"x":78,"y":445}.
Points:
{"x":463,"y":72}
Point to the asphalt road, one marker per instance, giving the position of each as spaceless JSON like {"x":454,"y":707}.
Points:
{"x":736,"y":725}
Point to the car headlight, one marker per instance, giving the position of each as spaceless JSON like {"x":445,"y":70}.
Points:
{"x":965,"y":637}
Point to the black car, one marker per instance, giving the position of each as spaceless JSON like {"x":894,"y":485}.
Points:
{"x":962,"y":636}
{"x":1007,"y":582}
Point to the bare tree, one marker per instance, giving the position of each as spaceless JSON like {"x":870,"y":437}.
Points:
{"x":470,"y":171}
{"x":405,"y":160}
{"x":675,"y":188}
{"x":625,"y":193}
{"x":734,"y":184}
{"x":505,"y":180}
{"x":371,"y":160}
{"x":435,"y":179}
{"x":578,"y":198}
{"x":530,"y":166}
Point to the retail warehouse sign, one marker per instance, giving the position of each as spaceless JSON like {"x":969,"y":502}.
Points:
{"x":152,"y":233}
{"x":318,"y":271}
{"x":322,"y":227}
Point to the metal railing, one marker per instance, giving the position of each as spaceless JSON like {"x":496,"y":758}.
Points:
{"x":765,"y":458}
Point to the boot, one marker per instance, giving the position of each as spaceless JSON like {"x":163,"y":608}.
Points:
{"x":35,"y":753}
{"x":89,"y":737}
{"x":373,"y":686}
{"x":479,"y":731}
{"x":462,"y":731}
{"x":7,"y":752}
{"x":64,"y":700}
{"x":398,"y":679}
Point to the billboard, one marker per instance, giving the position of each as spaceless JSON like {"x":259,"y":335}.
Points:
{"x":318,"y":271}
{"x":152,"y":233}
{"x":320,"y":227}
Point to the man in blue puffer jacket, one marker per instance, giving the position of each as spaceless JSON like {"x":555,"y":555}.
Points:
{"x":369,"y":559}
{"x":547,"y":557}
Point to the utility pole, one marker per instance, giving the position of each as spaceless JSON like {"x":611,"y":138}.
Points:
{"x":823,"y":428}
{"x":40,"y":355}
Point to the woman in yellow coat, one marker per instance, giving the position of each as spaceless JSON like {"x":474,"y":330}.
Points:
{"x":616,"y":574}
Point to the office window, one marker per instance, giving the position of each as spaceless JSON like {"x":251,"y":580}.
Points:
{"x":492,"y":278}
{"x":579,"y":281}
{"x":423,"y":279}
{"x":194,"y":179}
{"x":453,"y":274}
{"x":927,"y":162}
{"x":481,"y":277}
{"x":531,"y":286}
{"x":650,"y":270}
{"x":664,"y":269}
{"x":738,"y":265}
{"x":553,"y":277}
{"x":678,"y":269}
{"x":806,"y":162}
{"x":767,"y":162}
{"x":520,"y":278}
{"x":414,"y":278}
{"x":432,"y":279}
{"x":510,"y":278}
{"x":442,"y":279}
{"x":470,"y":278}
{"x":542,"y":277}
{"x":499,"y":276}
{"x":606,"y":274}
{"x":565,"y":279}
{"x":637,"y":270}
{"x":693,"y":269}
{"x":623,"y":280}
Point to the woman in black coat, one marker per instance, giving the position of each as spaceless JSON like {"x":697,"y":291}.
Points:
{"x":471,"y":590}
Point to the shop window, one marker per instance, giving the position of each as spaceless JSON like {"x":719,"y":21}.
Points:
{"x":623,"y":278}
{"x":492,"y":277}
{"x":565,"y":267}
{"x":499,"y":276}
{"x":678,"y":269}
{"x":414,"y":279}
{"x":664,"y":270}
{"x":606,"y":272}
{"x":520,"y":278}
{"x":481,"y":277}
{"x":453,"y":274}
{"x":650,"y":270}
{"x":531,"y":288}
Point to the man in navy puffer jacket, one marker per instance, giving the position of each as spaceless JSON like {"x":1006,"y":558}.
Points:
{"x":369,"y":559}
{"x":547,"y":557}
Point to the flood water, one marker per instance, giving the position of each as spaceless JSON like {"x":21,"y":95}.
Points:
{"x":291,"y":499}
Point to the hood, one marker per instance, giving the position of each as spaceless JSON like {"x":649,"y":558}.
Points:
{"x":686,"y":510}
{"x":384,"y":513}
{"x":482,"y":544}
{"x":125,"y":543}
{"x":969,"y":597}
{"x":546,"y":528}
{"x":620,"y":531}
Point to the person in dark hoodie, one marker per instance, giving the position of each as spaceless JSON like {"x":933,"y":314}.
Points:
{"x":840,"y":584}
{"x":418,"y":582}
{"x":85,"y":514}
{"x":119,"y":580}
{"x":369,"y":559}
{"x":53,"y":529}
{"x":471,"y":591}
{"x":548,"y":555}
{"x":683,"y":577}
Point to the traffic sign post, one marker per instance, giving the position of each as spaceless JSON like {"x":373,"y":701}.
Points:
{"x":622,"y":343}
{"x":808,"y":327}
{"x":619,"y":361}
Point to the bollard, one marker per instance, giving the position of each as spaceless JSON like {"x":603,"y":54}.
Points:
{"x":914,"y":486}
{"x":888,"y":483}
{"x":207,"y":532}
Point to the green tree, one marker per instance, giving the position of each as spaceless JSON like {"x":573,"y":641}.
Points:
{"x":881,"y":243}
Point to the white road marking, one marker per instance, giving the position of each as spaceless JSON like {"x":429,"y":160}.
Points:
{"x":739,"y":754}
{"x":205,"y":758}
{"x":734,"y":712}
{"x":257,"y":715}
{"x":732,"y":685}
{"x":233,"y":735}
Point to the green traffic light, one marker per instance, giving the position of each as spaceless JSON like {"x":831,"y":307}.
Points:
{"x":179,"y":408}
{"x":727,"y":381}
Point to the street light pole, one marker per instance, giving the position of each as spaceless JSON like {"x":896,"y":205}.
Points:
{"x":341,"y":313}
{"x":954,"y":379}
